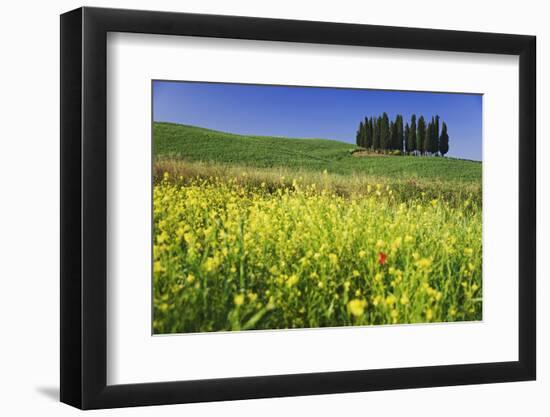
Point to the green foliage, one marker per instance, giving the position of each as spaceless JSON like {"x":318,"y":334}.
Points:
{"x":363,"y":129}
{"x":371,"y":132}
{"x":377,"y":123}
{"x":393,"y":136}
{"x":436,"y":135}
{"x":428,"y":138}
{"x":434,"y":138}
{"x":406,"y":137}
{"x":421,"y":135}
{"x":444,"y":140}
{"x":400,"y":133}
{"x":368,"y":134}
{"x":385,"y":132}
{"x":411,"y":143}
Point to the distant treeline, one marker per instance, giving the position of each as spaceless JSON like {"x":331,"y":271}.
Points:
{"x":417,"y":138}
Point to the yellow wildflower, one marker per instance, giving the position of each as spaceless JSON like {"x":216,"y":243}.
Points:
{"x":238,"y":299}
{"x":391,"y":300}
{"x":357,"y":307}
{"x":423,"y":263}
{"x":429,"y":314}
{"x":293,"y":279}
{"x":157,"y":267}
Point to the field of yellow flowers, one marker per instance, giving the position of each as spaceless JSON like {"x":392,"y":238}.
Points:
{"x":234,"y":254}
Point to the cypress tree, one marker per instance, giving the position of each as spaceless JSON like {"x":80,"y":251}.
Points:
{"x":358,"y":136}
{"x":444,"y":140}
{"x":393,"y":135}
{"x":436,"y":134}
{"x":371,"y":132}
{"x":400,"y":133}
{"x":434,"y":140}
{"x":385,"y":134}
{"x":427,"y":139}
{"x":420,"y":135}
{"x":407,"y":135}
{"x":368,"y":137}
{"x":428,"y":145}
{"x":379,"y":128}
{"x":412,"y":135}
{"x":376,"y":136}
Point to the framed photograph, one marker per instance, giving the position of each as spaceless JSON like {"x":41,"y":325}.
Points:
{"x":257,"y":208}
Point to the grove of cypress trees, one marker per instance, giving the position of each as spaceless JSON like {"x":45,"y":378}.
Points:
{"x":382,"y":134}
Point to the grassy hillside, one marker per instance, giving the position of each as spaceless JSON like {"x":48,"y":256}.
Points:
{"x":203,"y":145}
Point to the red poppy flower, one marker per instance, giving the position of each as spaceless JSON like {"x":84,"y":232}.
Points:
{"x":382,"y":258}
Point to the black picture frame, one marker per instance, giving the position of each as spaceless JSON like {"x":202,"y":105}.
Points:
{"x":84,"y":207}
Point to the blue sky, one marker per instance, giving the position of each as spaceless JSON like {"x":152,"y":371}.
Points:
{"x":311,"y":112}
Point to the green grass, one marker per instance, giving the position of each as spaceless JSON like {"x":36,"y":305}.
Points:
{"x":346,"y":185}
{"x":195,"y":144}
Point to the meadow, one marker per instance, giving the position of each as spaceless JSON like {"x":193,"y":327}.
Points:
{"x":276,"y":233}
{"x":197,"y":144}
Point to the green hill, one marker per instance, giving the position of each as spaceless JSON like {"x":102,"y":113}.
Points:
{"x":198,"y":144}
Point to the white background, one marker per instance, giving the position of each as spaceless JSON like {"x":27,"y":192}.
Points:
{"x":134,"y":356}
{"x":30,"y":206}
